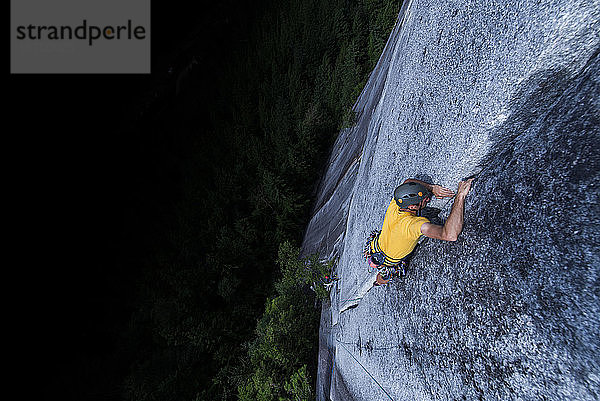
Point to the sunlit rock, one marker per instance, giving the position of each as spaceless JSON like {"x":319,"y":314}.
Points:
{"x":508,"y":91}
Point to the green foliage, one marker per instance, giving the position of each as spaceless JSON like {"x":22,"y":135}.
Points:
{"x":298,"y":387}
{"x":249,"y":155}
{"x":286,"y":335}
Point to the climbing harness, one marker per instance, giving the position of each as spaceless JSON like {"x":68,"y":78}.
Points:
{"x":367,"y":248}
{"x":376,"y":258}
{"x":388,"y":273}
{"x":375,"y":261}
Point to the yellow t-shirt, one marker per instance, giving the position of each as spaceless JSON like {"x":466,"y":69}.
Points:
{"x":399,"y":234}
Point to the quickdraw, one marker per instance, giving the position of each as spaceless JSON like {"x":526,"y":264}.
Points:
{"x":387,"y":273}
{"x":329,"y":280}
{"x":367,"y":248}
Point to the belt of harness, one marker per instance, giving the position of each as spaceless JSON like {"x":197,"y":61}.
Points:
{"x":374,"y":239}
{"x":367,"y":248}
{"x":391,"y":267}
{"x":389,"y":271}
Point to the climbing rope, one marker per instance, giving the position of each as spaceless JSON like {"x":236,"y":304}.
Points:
{"x":365,"y":369}
{"x":369,"y":347}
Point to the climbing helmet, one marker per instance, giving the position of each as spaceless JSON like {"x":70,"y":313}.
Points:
{"x":410,"y":193}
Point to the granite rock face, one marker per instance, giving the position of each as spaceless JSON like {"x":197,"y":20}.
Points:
{"x":511,"y":311}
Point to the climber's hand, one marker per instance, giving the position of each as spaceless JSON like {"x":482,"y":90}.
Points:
{"x":464,"y":187}
{"x":441,"y":192}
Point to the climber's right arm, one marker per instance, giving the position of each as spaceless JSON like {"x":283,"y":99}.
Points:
{"x":454,"y":224}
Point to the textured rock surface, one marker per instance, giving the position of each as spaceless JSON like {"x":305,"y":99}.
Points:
{"x":511,"y":310}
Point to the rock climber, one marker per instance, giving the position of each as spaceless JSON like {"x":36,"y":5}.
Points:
{"x":403,"y":225}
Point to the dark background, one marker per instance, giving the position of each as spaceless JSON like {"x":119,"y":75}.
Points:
{"x":82,"y":169}
{"x":148,"y":222}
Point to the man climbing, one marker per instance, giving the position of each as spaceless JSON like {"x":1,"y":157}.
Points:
{"x":403,"y":225}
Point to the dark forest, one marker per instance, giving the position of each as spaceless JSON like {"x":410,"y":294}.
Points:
{"x":163,"y":212}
